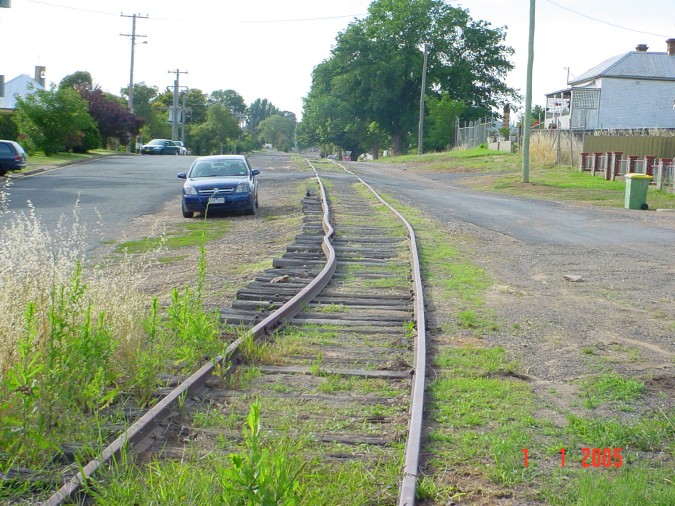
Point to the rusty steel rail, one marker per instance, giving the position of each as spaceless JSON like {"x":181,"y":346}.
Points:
{"x":414,"y":440}
{"x":142,"y":427}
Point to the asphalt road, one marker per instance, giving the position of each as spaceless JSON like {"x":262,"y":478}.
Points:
{"x":532,"y":221}
{"x":104,"y":195}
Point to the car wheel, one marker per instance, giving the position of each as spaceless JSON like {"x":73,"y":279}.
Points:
{"x":251,"y":209}
{"x":186,"y":213}
{"x":2,"y":172}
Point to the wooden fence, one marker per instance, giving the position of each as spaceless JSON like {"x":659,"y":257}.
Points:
{"x":659,"y":147}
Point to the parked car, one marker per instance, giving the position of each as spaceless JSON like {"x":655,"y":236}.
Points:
{"x":12,"y":156}
{"x":219,"y":182}
{"x":160,"y":147}
{"x":183,"y":149}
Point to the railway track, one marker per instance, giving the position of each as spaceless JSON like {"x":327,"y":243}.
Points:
{"x":338,"y":363}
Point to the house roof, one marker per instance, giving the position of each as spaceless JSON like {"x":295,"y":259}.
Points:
{"x":633,"y":65}
{"x":23,"y":86}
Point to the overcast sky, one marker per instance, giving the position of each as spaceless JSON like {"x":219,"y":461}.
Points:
{"x":268,"y":48}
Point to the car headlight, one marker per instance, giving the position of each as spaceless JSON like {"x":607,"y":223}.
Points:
{"x":243,"y":188}
{"x":189,"y":190}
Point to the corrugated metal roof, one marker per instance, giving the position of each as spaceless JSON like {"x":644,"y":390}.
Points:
{"x":636,"y":64}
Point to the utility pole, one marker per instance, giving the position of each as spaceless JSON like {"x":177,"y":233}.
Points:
{"x":420,"y":129}
{"x":174,"y":109}
{"x":133,"y":36}
{"x":528,"y":99}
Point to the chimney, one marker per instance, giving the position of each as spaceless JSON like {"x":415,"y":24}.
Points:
{"x":507,"y":116}
{"x":671,"y":46}
{"x":642,"y":48}
{"x":40,"y":75}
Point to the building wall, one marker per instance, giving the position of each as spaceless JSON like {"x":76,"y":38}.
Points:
{"x":636,"y":103}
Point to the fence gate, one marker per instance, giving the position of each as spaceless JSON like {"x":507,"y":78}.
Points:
{"x":472,"y":133}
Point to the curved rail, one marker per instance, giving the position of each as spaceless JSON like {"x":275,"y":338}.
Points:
{"x":412,"y":450}
{"x":142,"y":427}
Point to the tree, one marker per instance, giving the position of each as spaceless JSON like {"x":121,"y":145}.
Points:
{"x":440,"y":121}
{"x":216,"y":133}
{"x":77,"y":78}
{"x":375,"y":67}
{"x":54,"y":119}
{"x":111,"y":115}
{"x":259,"y":110}
{"x":196,"y":103}
{"x":231,"y":100}
{"x":143,"y":97}
{"x":278,"y":131}
{"x":538,"y":115}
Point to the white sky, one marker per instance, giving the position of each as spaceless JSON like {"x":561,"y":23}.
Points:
{"x":268,"y":48}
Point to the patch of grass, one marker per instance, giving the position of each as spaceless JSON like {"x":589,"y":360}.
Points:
{"x":330,"y":308}
{"x":610,"y":388}
{"x":465,"y":160}
{"x":335,"y":383}
{"x":211,"y":418}
{"x":189,"y":234}
{"x":481,"y":417}
{"x":651,"y":433}
{"x":40,"y":160}
{"x":638,"y":485}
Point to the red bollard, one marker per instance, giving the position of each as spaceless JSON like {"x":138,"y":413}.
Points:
{"x":632,"y":162}
{"x":650,"y":161}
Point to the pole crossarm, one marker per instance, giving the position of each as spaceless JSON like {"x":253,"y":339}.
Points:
{"x":174,"y":115}
{"x":133,"y":36}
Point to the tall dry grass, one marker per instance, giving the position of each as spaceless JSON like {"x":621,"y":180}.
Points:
{"x":546,"y":148}
{"x":38,"y":262}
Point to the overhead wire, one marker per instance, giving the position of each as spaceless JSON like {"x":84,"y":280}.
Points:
{"x":603,"y":21}
{"x":225,"y":21}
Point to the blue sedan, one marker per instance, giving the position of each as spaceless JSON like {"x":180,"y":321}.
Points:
{"x":219,"y":182}
{"x":161,"y":147}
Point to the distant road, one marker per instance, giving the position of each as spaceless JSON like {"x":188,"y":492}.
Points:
{"x":532,"y":221}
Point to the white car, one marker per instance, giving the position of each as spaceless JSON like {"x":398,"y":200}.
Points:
{"x":183,"y":149}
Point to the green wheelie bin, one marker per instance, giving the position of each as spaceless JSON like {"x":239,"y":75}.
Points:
{"x":636,"y":191}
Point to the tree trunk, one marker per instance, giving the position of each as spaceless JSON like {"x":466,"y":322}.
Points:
{"x":397,"y":142}
{"x":375,"y":151}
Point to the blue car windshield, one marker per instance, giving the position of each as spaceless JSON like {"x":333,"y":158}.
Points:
{"x":231,"y":168}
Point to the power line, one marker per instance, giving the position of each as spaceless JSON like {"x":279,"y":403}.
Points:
{"x":605,"y":22}
{"x":223,"y":21}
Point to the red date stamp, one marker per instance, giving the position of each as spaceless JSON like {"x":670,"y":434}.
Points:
{"x":590,"y":457}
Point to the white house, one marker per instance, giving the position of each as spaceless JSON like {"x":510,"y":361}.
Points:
{"x":22,"y":86}
{"x":629,"y":91}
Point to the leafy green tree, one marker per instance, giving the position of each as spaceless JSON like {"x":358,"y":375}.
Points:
{"x":77,"y":78}
{"x":259,"y":110}
{"x":440,"y":121}
{"x":55,"y":119}
{"x":538,"y":115}
{"x":375,"y":67}
{"x":143,"y":98}
{"x":216,"y":134}
{"x":8,"y":128}
{"x":278,"y":131}
{"x":196,"y":103}
{"x":231,"y":100}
